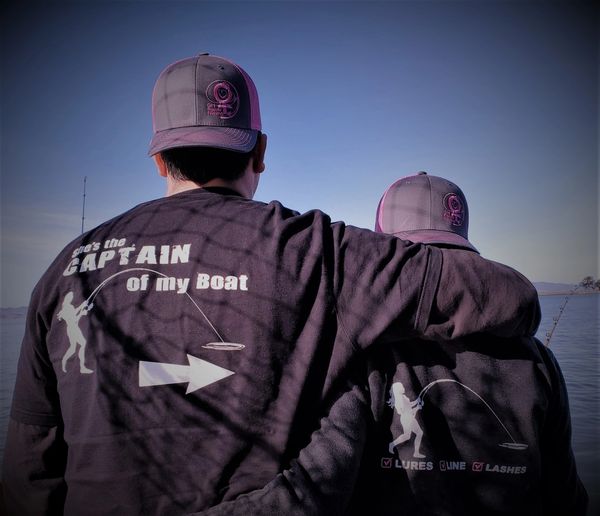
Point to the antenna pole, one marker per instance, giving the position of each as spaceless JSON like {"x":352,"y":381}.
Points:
{"x":83,"y":210}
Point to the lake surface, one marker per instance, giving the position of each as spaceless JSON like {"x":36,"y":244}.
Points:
{"x":575,"y":344}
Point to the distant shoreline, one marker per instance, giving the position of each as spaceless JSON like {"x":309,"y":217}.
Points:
{"x":566,"y":293}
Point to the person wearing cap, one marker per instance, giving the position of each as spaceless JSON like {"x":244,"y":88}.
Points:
{"x":476,"y":426}
{"x":216,"y":326}
{"x":494,"y":411}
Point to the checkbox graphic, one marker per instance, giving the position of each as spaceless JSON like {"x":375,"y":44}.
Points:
{"x":478,"y":466}
{"x":386,"y":462}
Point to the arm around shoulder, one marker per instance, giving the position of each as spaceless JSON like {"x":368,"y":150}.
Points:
{"x":479,"y":295}
{"x":389,"y":289}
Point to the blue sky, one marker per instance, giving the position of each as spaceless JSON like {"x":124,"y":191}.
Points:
{"x":501,"y":98}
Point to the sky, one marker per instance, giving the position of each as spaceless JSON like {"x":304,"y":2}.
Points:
{"x":499,"y":97}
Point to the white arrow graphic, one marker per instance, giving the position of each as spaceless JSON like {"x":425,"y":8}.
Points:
{"x":199,"y":373}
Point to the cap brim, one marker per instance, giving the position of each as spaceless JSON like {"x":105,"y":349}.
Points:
{"x":230,"y":138}
{"x":433,"y":236}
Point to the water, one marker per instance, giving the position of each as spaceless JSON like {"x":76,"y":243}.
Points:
{"x":575,"y":344}
{"x":11,"y":334}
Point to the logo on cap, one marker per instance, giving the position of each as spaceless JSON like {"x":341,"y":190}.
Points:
{"x":453,"y":209}
{"x":223,"y":100}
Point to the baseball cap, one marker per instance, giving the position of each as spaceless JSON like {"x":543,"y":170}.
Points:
{"x":204,"y":101}
{"x":426,"y":209}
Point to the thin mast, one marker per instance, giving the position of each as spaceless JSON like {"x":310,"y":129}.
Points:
{"x":83,"y":210}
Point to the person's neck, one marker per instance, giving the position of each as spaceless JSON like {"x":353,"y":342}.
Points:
{"x":176,"y":186}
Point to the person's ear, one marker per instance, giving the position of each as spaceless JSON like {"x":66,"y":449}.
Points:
{"x":160,"y":165}
{"x":258,"y":160}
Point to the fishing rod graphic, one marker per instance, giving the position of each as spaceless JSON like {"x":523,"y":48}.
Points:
{"x":222,"y":345}
{"x":514,"y":445}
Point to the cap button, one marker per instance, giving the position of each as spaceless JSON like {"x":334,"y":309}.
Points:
{"x":421,"y":173}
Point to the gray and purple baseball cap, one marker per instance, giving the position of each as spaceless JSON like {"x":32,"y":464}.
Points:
{"x":204,"y":101}
{"x":426,"y":209}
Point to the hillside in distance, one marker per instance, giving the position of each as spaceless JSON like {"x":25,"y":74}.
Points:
{"x":544,"y":287}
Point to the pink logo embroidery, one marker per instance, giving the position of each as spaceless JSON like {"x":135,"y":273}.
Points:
{"x":386,"y":462}
{"x":453,"y":209}
{"x":478,"y":466}
{"x":223,"y":100}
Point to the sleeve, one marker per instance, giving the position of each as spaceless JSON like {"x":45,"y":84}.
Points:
{"x":35,"y":453}
{"x":388,"y":289}
{"x":33,"y":469}
{"x":321,"y":480}
{"x":562,"y":490}
{"x":35,"y":398}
